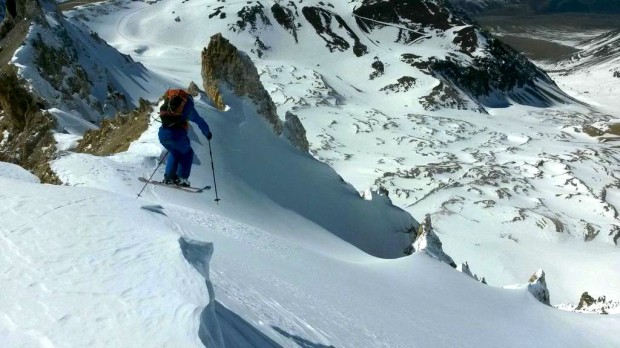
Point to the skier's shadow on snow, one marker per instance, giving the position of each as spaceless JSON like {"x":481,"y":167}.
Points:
{"x":302,"y":342}
{"x":238,"y":333}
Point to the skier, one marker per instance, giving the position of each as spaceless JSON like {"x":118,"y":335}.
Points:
{"x":177,"y":110}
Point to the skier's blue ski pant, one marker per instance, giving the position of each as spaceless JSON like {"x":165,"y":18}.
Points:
{"x":180,"y":153}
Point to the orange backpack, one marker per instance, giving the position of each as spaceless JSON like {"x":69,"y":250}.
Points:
{"x":171,"y":111}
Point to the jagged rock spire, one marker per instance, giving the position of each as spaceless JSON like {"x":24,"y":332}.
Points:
{"x":537,"y":286}
{"x":224,"y":63}
{"x":426,"y":240}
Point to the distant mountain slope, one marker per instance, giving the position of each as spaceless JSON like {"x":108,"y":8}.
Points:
{"x":517,"y":7}
{"x":603,"y":50}
{"x":593,"y":72}
{"x":71,"y":68}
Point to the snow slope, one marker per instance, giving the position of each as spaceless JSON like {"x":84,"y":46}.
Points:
{"x":592,"y":74}
{"x":516,"y":180}
{"x":286,"y":271}
{"x":116,"y":277}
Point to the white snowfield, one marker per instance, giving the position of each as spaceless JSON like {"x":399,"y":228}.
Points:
{"x":299,"y":258}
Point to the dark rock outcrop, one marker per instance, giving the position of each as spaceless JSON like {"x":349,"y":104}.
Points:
{"x":537,"y":286}
{"x":286,"y":18}
{"x":25,"y":131}
{"x":427,"y":241}
{"x":481,"y":68}
{"x":500,"y":71}
{"x":295,"y":132}
{"x":222,"y":63}
{"x":323,"y":20}
{"x":416,"y":17}
{"x":116,"y":134}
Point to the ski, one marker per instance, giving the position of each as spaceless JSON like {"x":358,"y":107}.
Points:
{"x":182,"y":188}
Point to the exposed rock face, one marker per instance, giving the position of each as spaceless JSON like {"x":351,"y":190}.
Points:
{"x":116,"y":134}
{"x":413,"y":15}
{"x":286,"y":18}
{"x":464,"y":268}
{"x":537,"y":286}
{"x":589,"y":304}
{"x":493,"y":74}
{"x":295,"y":132}
{"x":324,"y":23}
{"x":67,"y":65}
{"x":599,"y":305}
{"x":17,"y":11}
{"x":426,"y":240}
{"x":223,"y":63}
{"x":499,"y":72}
{"x":25,"y":131}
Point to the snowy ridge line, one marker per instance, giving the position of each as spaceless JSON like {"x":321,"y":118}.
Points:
{"x":199,"y":254}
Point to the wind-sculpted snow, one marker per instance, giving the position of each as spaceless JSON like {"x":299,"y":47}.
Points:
{"x":199,"y":254}
{"x":86,"y":268}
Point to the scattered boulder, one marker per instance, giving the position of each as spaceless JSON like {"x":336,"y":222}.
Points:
{"x":193,"y":89}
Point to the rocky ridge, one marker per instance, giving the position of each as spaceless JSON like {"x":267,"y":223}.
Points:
{"x":72,"y":65}
{"x":589,"y":304}
{"x":223,"y":63}
{"x":25,"y":130}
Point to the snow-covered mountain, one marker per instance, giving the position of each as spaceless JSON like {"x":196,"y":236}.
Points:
{"x":593,"y":73}
{"x":399,"y":97}
{"x":75,"y":72}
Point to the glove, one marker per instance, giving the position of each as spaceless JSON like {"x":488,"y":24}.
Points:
{"x":209,"y":136}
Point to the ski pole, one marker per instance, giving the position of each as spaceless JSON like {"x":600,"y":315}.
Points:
{"x":151,"y":177}
{"x":217,"y":199}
